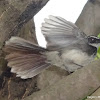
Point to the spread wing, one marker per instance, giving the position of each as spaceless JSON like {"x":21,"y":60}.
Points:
{"x":60,"y":33}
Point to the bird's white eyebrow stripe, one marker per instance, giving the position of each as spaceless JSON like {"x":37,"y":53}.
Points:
{"x":95,"y":37}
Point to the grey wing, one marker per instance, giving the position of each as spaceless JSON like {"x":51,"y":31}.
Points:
{"x":60,"y":33}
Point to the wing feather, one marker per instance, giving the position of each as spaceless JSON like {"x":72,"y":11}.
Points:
{"x":60,"y":33}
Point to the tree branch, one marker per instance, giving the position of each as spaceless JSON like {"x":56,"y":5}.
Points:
{"x":73,"y":87}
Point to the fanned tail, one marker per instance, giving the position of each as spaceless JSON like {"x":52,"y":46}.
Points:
{"x":25,"y":58}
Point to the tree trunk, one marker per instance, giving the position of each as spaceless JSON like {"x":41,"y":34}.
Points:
{"x":16,"y":19}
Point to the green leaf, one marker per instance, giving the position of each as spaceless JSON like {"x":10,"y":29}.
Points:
{"x":99,"y":35}
{"x":98,"y":51}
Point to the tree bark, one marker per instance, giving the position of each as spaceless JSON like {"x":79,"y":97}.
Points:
{"x":89,"y":19}
{"x":15,"y":14}
{"x":16,"y":20}
{"x":73,"y":87}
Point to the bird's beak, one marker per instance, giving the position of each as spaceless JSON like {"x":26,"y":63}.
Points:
{"x":98,"y":41}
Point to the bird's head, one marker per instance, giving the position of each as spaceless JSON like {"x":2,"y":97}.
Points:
{"x":94,"y":41}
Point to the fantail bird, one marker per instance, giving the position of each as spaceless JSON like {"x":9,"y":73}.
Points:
{"x":67,"y":47}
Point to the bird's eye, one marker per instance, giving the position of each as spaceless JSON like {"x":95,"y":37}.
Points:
{"x":91,"y":40}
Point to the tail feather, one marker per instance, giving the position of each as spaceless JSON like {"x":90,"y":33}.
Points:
{"x":21,"y":45}
{"x":25,"y":58}
{"x":30,"y":73}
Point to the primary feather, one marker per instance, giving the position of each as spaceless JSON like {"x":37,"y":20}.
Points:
{"x":59,"y":33}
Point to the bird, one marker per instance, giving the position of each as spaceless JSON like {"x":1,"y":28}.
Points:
{"x":67,"y":47}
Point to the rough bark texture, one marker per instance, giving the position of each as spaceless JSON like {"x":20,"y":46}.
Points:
{"x":13,"y":16}
{"x":73,"y":87}
{"x":89,"y":19}
{"x":53,"y":83}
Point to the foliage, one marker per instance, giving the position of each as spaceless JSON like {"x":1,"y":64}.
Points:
{"x":98,"y":51}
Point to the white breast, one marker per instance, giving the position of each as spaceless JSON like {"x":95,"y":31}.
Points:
{"x":72,"y":57}
{"x":69,"y":60}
